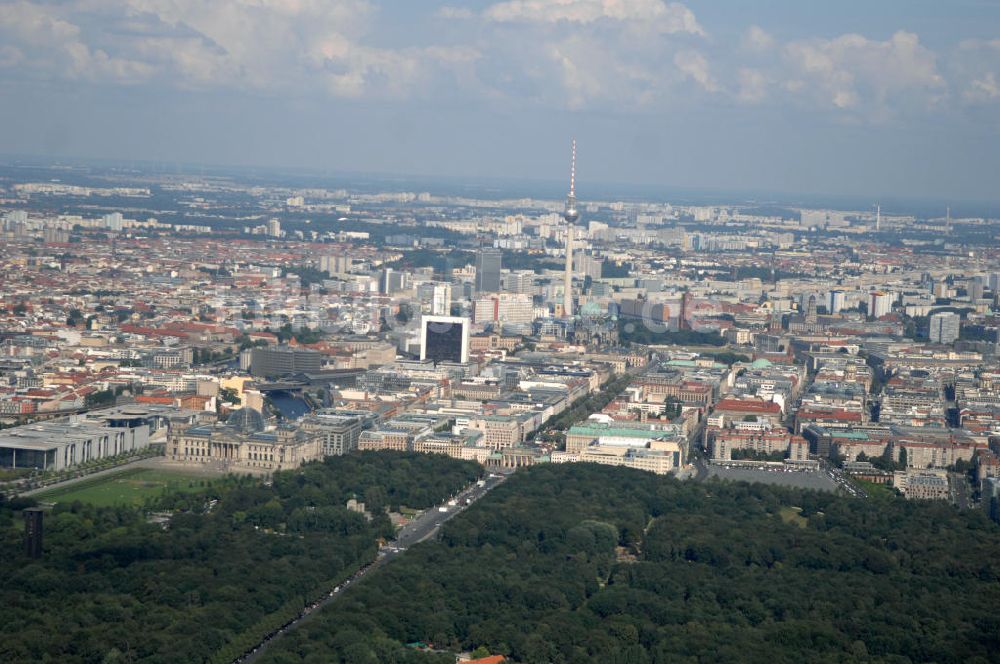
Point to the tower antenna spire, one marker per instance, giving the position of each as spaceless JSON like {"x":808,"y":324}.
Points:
{"x":571,"y":215}
{"x":572,"y":171}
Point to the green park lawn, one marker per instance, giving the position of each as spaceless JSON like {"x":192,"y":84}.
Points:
{"x":128,"y":487}
{"x":876,"y":490}
{"x":793,"y":515}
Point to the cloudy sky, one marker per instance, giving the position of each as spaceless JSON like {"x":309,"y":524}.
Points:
{"x":870,"y":98}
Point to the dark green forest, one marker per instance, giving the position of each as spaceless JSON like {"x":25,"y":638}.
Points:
{"x":236,"y":560}
{"x":583,"y":563}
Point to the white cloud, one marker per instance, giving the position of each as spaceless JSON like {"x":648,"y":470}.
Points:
{"x":753,"y":85}
{"x":974,"y":66}
{"x":32,"y":29}
{"x":356,"y":71}
{"x":587,"y":77}
{"x":266,"y":45}
{"x":655,"y":14}
{"x":976,"y":44}
{"x":853,"y":72}
{"x":578,"y":54}
{"x":758,"y":40}
{"x":983,"y":89}
{"x":694,"y":66}
{"x":585,"y":54}
{"x":455,"y":12}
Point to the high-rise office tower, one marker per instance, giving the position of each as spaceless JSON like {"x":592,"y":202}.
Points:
{"x":113,"y":221}
{"x":503,"y":308}
{"x":444,"y":339}
{"x":393,"y":281}
{"x":571,"y":215}
{"x":975,"y":289}
{"x":835,"y":301}
{"x":488,"y":265}
{"x":589,"y":266}
{"x":944,"y":328}
{"x":334,"y":265}
{"x":435,"y":297}
{"x":880,"y":303}
{"x":521,"y":281}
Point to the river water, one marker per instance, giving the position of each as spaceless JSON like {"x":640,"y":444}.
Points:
{"x":289,"y":405}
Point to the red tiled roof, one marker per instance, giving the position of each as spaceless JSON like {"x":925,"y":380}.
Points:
{"x":740,"y":406}
{"x":143,"y":398}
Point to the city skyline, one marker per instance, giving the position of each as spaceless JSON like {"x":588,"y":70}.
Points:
{"x":290,"y":286}
{"x":350,"y":350}
{"x":888,"y":101}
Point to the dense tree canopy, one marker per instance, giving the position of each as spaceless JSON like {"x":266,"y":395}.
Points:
{"x":581,"y":563}
{"x":234,"y":562}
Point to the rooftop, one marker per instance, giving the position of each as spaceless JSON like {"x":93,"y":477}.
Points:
{"x":598,"y":430}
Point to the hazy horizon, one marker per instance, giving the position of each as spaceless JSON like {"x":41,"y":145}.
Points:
{"x":518,"y":187}
{"x":892,"y":100}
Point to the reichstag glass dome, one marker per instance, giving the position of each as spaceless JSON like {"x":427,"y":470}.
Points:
{"x":246,"y":420}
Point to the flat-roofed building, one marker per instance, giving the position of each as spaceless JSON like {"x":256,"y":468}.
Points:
{"x":936,"y":453}
{"x":284,"y":360}
{"x":444,"y":339}
{"x":724,"y":443}
{"x":488,"y":266}
{"x":57,"y":445}
{"x":922,"y":485}
{"x":484,"y":342}
{"x":499,"y":431}
{"x":455,"y":446}
{"x":660,"y":462}
{"x":338,"y":434}
{"x":944,"y":327}
{"x":582,"y":436}
{"x":676,"y":387}
{"x":399,"y":440}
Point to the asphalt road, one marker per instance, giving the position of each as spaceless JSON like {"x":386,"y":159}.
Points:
{"x":427,"y":523}
{"x":960,"y":490}
{"x":423,"y":527}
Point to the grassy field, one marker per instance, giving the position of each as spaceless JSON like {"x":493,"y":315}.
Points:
{"x":128,"y":487}
{"x":793,"y":516}
{"x":873,"y":489}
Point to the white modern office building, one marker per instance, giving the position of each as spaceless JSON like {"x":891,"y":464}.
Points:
{"x":444,"y":339}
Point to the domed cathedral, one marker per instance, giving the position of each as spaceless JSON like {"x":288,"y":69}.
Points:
{"x":244,"y":443}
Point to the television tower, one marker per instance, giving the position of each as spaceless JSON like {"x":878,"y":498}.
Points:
{"x":571,"y":215}
{"x":878,"y":217}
